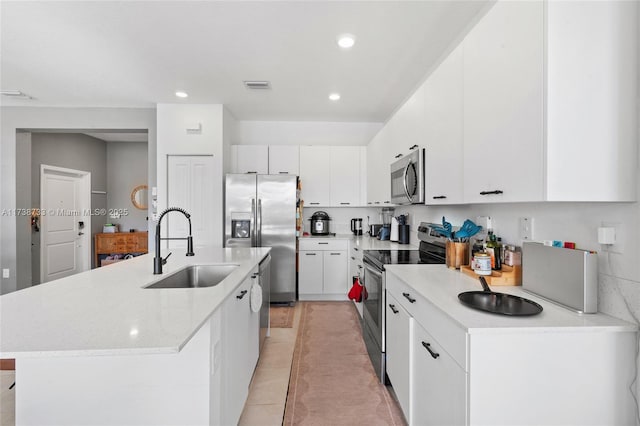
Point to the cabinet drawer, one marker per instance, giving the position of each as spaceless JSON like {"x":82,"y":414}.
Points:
{"x":448,"y":334}
{"x":323,"y":244}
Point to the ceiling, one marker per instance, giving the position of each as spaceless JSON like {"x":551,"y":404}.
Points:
{"x":137,"y":54}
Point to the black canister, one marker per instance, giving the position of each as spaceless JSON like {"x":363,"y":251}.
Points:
{"x":403,"y":234}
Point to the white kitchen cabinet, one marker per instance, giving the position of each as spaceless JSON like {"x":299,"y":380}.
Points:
{"x":399,"y":326}
{"x":468,"y":367}
{"x":546,"y":118}
{"x":503,"y":105}
{"x":407,"y":126}
{"x":284,"y":159}
{"x":443,"y":127}
{"x":323,"y":269}
{"x":189,"y":187}
{"x":251,"y":159}
{"x":311,"y":272}
{"x":241,"y":347}
{"x":344,"y":168}
{"x":356,"y":269}
{"x":379,"y":169}
{"x":314,"y":175}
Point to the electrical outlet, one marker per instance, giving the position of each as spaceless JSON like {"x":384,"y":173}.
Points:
{"x":526,"y":228}
{"x":621,"y":238}
{"x":5,"y":273}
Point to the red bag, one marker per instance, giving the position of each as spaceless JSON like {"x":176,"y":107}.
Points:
{"x":356,"y":290}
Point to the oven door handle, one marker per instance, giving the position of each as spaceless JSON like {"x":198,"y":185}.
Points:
{"x":371,"y":268}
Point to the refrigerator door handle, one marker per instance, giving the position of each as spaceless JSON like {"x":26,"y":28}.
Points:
{"x":259,"y":224}
{"x":252,"y":223}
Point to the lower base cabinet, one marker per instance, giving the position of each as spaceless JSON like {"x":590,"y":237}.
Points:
{"x":439,"y":392}
{"x":241,"y":349}
{"x":323,"y":270}
{"x":542,"y":374}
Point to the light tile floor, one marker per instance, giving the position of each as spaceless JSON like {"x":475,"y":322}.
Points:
{"x":268,"y":390}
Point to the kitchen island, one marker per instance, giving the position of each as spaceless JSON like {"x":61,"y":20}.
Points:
{"x":450,"y":364}
{"x":100,"y":348}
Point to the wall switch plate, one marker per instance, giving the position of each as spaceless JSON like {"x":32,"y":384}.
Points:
{"x":526,"y":228}
{"x":5,"y":273}
{"x":620,"y":243}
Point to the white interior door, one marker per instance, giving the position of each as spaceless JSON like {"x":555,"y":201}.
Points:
{"x":190,"y":186}
{"x":65,"y":203}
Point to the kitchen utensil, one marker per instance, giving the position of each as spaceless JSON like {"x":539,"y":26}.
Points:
{"x":498,"y":303}
{"x":467,"y":230}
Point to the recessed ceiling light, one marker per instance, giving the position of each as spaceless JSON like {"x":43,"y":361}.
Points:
{"x":181,"y":94}
{"x":334,"y":96}
{"x":346,"y":41}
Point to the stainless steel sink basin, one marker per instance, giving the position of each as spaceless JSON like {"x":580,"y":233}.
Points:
{"x":195,"y":276}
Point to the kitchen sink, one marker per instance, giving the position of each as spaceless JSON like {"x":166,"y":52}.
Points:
{"x":195,"y":276}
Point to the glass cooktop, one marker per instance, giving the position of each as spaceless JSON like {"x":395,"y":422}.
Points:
{"x":400,"y":257}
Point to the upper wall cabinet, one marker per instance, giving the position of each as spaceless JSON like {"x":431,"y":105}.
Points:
{"x":503,"y":94}
{"x":332,"y":175}
{"x":378,"y":169}
{"x":406,"y":127}
{"x":576,"y":138}
{"x":266,"y":159}
{"x":443,"y":110}
{"x":284,"y":159}
{"x":251,"y":159}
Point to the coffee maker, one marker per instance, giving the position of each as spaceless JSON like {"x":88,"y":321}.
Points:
{"x":356,"y":226}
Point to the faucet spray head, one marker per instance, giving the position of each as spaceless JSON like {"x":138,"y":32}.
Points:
{"x":190,"y":246}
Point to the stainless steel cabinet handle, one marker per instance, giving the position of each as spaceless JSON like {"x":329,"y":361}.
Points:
{"x":497,"y":191}
{"x":428,"y":347}
{"x":393,"y":308}
{"x":409,"y":298}
{"x":241,"y":295}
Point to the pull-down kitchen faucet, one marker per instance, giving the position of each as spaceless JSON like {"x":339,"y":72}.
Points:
{"x":158,"y":261}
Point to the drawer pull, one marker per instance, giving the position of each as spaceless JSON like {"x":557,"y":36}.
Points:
{"x":283,"y":173}
{"x":439,"y":197}
{"x":497,"y":191}
{"x":428,"y":347}
{"x":241,"y":295}
{"x":393,"y":308}
{"x":356,"y":248}
{"x":335,"y":254}
{"x":314,"y":204}
{"x":323,"y":243}
{"x":344,"y":204}
{"x":359,"y":266}
{"x":309,"y":254}
{"x":409,"y":298}
{"x":353,"y":258}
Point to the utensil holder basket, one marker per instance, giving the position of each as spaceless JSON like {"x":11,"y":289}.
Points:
{"x":457,"y":254}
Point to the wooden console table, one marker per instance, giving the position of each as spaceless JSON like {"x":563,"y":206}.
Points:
{"x":120,"y":243}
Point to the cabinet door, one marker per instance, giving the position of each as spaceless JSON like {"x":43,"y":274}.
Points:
{"x":189,"y":187}
{"x":379,"y":169}
{"x":345,"y":175}
{"x":438,"y":387}
{"x":503,"y":105}
{"x":252,"y":159}
{"x":311,"y":272}
{"x":238,"y":352}
{"x":284,"y":160}
{"x":315,"y":175}
{"x":443,"y":109}
{"x":335,"y":273}
{"x":398,"y":353}
{"x":407,"y":125}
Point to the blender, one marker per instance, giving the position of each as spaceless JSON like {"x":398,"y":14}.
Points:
{"x":386,"y":215}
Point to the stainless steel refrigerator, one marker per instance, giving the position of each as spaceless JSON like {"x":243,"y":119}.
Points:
{"x":260,"y":211}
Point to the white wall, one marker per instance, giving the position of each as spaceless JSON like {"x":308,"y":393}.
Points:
{"x":173,"y":139}
{"x":304,"y":133}
{"x":14,"y":118}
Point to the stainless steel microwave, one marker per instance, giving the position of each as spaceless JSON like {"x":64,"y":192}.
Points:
{"x":407,"y":178}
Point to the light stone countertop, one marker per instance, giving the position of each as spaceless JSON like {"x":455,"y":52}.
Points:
{"x":441,"y":286}
{"x":107,"y":311}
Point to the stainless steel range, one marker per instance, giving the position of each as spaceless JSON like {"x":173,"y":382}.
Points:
{"x":431,"y":251}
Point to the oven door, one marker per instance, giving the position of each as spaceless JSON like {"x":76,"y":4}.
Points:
{"x":373,"y":317}
{"x":407,"y":179}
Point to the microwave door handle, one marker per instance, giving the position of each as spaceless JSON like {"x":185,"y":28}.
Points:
{"x":404,"y":182}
